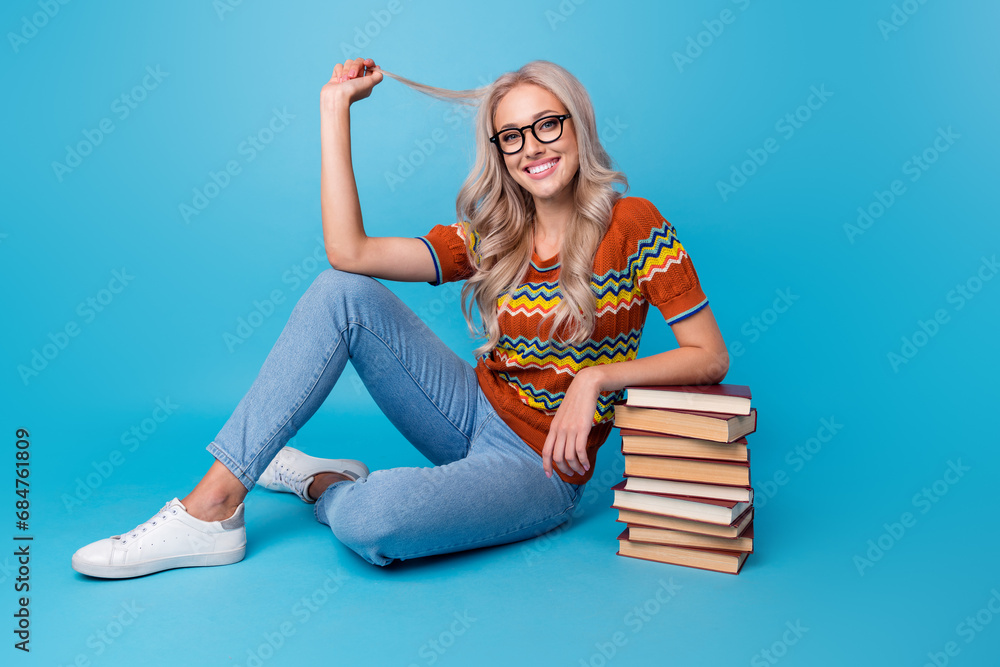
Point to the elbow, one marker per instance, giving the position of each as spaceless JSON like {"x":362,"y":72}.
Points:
{"x":337,"y":259}
{"x":342,"y":258}
{"x":330,"y":257}
{"x":718,"y":365}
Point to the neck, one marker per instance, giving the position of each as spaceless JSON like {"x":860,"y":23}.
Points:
{"x":552,"y":217}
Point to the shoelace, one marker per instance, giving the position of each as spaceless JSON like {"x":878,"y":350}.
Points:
{"x":145,"y":525}
{"x":285,"y":476}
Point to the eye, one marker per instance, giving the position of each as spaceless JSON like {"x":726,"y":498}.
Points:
{"x":510,"y":137}
{"x":549,"y":124}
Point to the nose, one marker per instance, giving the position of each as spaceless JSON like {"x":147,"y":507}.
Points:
{"x":532,"y":146}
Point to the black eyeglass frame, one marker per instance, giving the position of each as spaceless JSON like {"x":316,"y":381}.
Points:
{"x":495,"y":139}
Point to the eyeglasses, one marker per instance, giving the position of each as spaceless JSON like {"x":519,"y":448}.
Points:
{"x":546,"y":130}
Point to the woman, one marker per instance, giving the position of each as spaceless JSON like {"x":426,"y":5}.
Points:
{"x":562,"y":269}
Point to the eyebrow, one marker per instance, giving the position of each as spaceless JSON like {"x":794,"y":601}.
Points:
{"x":536,"y":117}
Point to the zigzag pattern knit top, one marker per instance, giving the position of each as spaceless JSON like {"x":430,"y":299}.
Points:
{"x":639,"y":262}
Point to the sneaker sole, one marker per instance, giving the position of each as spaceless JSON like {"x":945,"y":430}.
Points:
{"x":159,"y":565}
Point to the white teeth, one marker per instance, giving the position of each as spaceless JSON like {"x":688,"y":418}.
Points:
{"x":542,"y":167}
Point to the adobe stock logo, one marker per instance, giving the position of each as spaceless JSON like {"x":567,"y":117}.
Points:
{"x":30,"y":27}
{"x":223,"y":7}
{"x":924,"y":500}
{"x":779,"y":648}
{"x":787,"y":126}
{"x":697,"y":44}
{"x":133,"y":438}
{"x":963,"y":293}
{"x":434,"y":648}
{"x":914,"y":168}
{"x":364,"y":35}
{"x":122,"y":107}
{"x":103,"y":638}
{"x":217,"y":181}
{"x":272,"y":641}
{"x":637,"y":619}
{"x":408,"y":163}
{"x":87,"y":310}
{"x":968,"y":629}
{"x":562,"y":12}
{"x":899,"y":17}
{"x":756,"y":326}
{"x":796,"y":459}
{"x":296,"y":275}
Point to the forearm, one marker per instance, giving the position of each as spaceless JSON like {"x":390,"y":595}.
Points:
{"x":343,"y":229}
{"x":684,"y":365}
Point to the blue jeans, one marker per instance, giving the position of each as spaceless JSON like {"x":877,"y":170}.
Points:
{"x":486,"y":486}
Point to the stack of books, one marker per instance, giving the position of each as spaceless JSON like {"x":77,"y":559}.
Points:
{"x":686,"y":498}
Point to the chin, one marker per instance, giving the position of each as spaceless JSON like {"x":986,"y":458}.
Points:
{"x":548,"y":192}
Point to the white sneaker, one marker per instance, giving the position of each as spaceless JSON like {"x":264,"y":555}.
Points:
{"x":172,"y":538}
{"x":293,"y":471}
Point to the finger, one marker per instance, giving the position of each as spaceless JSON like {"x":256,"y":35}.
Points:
{"x":547,"y":454}
{"x":556,"y":452}
{"x":373,"y":77}
{"x":338,"y":70}
{"x":357,"y":68}
{"x":572,"y":449}
{"x":559,"y":454}
{"x":345,"y":70}
{"x":581,"y":453}
{"x":570,"y":454}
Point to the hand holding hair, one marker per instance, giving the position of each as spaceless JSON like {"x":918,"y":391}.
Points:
{"x":352,"y":81}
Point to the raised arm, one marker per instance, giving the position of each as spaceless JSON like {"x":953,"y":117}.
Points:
{"x":348,"y":248}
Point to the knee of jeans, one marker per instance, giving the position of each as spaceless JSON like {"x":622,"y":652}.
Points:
{"x":360,"y":524}
{"x":336,"y":291}
{"x":336,"y":282}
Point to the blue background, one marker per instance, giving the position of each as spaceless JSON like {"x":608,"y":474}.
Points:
{"x":677,"y":129}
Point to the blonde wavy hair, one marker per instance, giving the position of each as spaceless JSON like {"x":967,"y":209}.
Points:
{"x":501,"y":213}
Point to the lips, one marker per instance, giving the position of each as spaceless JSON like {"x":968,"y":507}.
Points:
{"x":547,"y":166}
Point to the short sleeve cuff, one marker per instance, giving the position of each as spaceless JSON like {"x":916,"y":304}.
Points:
{"x":437,"y":262}
{"x":684,"y":305}
{"x":446,"y":244}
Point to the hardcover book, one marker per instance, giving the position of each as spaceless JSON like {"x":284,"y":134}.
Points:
{"x":703,"y":425}
{"x":709,"y":510}
{"x":730,"y":562}
{"x":729,"y":398}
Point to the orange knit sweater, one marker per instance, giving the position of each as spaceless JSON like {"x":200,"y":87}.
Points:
{"x":639,"y":262}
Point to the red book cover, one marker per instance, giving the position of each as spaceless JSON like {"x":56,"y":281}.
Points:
{"x":710,"y":397}
{"x":735,"y":390}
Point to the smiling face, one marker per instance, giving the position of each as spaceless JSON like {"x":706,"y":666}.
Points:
{"x":554,"y":164}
